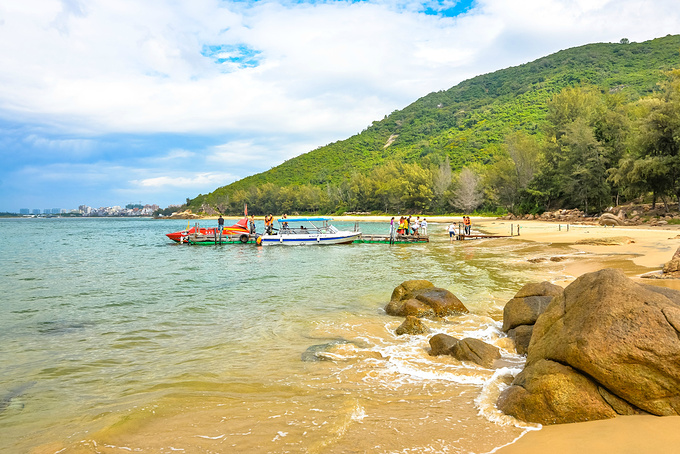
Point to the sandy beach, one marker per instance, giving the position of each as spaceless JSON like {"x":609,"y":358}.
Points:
{"x":635,"y":250}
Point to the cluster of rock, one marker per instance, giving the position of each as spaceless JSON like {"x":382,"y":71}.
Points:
{"x":605,"y":346}
{"x":574,"y":216}
{"x":420,"y":298}
{"x":615,"y":217}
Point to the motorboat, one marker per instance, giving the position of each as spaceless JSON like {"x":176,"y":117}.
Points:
{"x":199,"y":234}
{"x":299,"y":231}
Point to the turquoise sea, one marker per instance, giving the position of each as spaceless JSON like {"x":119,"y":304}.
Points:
{"x":115,"y":339}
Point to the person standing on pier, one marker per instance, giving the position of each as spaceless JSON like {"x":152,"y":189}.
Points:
{"x":468,"y":224}
{"x":423,"y":227}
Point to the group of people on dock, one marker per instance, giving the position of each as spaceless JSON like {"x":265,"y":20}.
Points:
{"x":406,"y":226}
{"x":465,"y":229}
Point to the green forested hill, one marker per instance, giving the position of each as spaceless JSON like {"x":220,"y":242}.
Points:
{"x":468,"y":123}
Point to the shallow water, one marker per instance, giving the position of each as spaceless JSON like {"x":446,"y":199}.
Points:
{"x":119,"y":339}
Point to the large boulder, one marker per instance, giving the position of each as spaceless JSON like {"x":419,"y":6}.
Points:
{"x":522,"y":311}
{"x":422,"y":299}
{"x":606,"y":346}
{"x":476,"y":351}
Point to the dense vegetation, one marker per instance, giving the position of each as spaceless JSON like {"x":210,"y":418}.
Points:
{"x":585,"y":127}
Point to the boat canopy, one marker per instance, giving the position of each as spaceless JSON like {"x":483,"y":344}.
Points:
{"x":304,"y":219}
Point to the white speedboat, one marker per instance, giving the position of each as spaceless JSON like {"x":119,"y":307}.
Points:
{"x":297,"y":231}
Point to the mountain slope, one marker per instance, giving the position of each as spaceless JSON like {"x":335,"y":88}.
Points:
{"x":467,"y":122}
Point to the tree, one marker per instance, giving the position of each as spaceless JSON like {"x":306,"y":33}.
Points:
{"x":442,"y":182}
{"x":467,"y":194}
{"x":585,"y":183}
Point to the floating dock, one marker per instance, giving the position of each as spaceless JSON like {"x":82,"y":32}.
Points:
{"x":385,"y":239}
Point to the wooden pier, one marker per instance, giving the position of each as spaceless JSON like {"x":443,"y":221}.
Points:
{"x":385,"y":239}
{"x":478,"y":236}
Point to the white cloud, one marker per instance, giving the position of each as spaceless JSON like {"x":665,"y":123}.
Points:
{"x":196,"y":181}
{"x":269,"y":79}
{"x":130,"y":66}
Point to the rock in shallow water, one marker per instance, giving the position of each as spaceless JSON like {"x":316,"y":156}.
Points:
{"x":440,"y":344}
{"x":422,"y":299}
{"x":476,"y":351}
{"x":412,"y":325}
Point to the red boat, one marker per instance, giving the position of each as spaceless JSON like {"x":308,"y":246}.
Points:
{"x":239,"y":228}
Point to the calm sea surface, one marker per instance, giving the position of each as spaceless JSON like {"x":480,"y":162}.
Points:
{"x":115,"y":339}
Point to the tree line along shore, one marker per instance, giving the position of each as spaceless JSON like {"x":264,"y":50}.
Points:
{"x":596,"y":149}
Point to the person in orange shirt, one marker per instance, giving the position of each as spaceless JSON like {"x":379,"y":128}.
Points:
{"x":268,"y":223}
{"x":468,"y":224}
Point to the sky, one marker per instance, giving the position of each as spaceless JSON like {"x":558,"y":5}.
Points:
{"x":110,"y":102}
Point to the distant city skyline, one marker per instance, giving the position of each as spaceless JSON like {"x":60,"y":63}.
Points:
{"x":165,"y":100}
{"x":129,"y":208}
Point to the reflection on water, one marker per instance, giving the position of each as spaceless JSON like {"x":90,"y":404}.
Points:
{"x":135,"y":343}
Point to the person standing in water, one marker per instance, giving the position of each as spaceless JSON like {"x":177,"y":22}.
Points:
{"x":393,"y":230}
{"x":452,"y":231}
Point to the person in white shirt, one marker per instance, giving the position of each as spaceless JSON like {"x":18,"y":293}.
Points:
{"x":452,"y":231}
{"x":423,"y":227}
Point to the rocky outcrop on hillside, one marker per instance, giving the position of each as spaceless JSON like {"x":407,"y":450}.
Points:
{"x":606,"y":346}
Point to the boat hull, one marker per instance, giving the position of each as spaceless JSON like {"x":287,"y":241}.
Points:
{"x":311,"y":239}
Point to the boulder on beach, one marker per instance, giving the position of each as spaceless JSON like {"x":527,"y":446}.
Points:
{"x":422,"y":299}
{"x":606,"y":346}
{"x":522,"y":311}
{"x":412,"y":325}
{"x":610,"y":219}
{"x":672,"y":267}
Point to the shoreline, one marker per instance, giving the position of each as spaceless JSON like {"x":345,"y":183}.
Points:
{"x":636,"y":250}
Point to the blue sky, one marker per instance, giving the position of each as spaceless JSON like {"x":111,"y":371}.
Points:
{"x":107,"y":102}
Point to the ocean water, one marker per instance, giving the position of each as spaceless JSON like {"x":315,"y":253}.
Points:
{"x":115,"y":339}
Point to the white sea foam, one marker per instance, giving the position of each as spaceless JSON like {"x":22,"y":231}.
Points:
{"x":359,"y":413}
{"x":492,"y":388}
